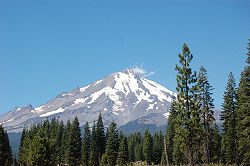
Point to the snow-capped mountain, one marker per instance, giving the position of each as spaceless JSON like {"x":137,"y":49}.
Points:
{"x":123,"y":97}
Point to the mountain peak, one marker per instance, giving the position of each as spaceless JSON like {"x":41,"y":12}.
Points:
{"x":123,"y":97}
{"x":137,"y":71}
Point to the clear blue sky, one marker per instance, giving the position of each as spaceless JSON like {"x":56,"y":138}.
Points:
{"x":49,"y":46}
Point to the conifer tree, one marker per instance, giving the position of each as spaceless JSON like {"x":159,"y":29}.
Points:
{"x":38,"y":152}
{"x":45,"y":127}
{"x":170,"y":133}
{"x":161,"y":137}
{"x":65,"y":141}
{"x":25,"y":144}
{"x":138,"y":151}
{"x":148,"y":147}
{"x":21,"y":154}
{"x":131,"y":148}
{"x":100,"y":138}
{"x":75,"y":144}
{"x":58,"y":143}
{"x":188,"y":112}
{"x":93,"y":148}
{"x":138,"y":147}
{"x":86,"y":145}
{"x":157,"y":149}
{"x":122,"y":157}
{"x":179,"y":148}
{"x":243,"y":112}
{"x":9,"y":158}
{"x":52,"y":134}
{"x":215,"y":144}
{"x":228,"y":115}
{"x":5,"y":150}
{"x":120,"y":137}
{"x":126,"y":148}
{"x":206,"y":105}
{"x":112,"y":146}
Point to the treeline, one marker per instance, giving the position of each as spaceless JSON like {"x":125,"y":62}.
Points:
{"x":53,"y":143}
{"x":193,"y":136}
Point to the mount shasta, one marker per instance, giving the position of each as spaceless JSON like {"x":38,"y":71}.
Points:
{"x":124,"y":97}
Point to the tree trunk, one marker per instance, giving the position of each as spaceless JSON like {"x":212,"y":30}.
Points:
{"x":165,"y":151}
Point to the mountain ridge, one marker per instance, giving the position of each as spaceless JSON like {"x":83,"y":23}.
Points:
{"x":123,"y":97}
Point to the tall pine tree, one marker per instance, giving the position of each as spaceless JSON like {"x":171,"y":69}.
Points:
{"x":93,"y":148}
{"x":21,"y":154}
{"x":148,"y":147}
{"x":228,"y":115}
{"x":243,"y":112}
{"x":112,"y":146}
{"x":215,"y":144}
{"x":188,"y":112}
{"x":53,"y":140}
{"x":157,"y":148}
{"x":75,"y":144}
{"x":5,"y":150}
{"x":65,"y":141}
{"x":9,"y":158}
{"x":39,"y":150}
{"x":86,"y":145}
{"x":170,"y":133}
{"x":122,"y":157}
{"x":58,"y":143}
{"x":100,"y":138}
{"x":206,"y":105}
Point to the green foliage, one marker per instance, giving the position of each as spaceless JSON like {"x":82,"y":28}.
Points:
{"x":22,"y":148}
{"x":188,"y":111}
{"x":135,"y":147}
{"x":122,"y":157}
{"x":148,"y":147}
{"x":170,"y":133}
{"x":243,"y":113}
{"x":157,"y":148}
{"x":138,"y":152}
{"x":5,"y":150}
{"x":100,"y":138}
{"x":58,"y":143}
{"x":52,"y":134}
{"x":215,"y":144}
{"x":73,"y":153}
{"x":112,"y":146}
{"x":93,"y":148}
{"x":104,"y":161}
{"x":207,"y":114}
{"x":131,"y":148}
{"x":86,"y":145}
{"x":42,"y":144}
{"x":179,"y":147}
{"x":228,"y":115}
{"x":65,"y":141}
{"x":39,"y":150}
